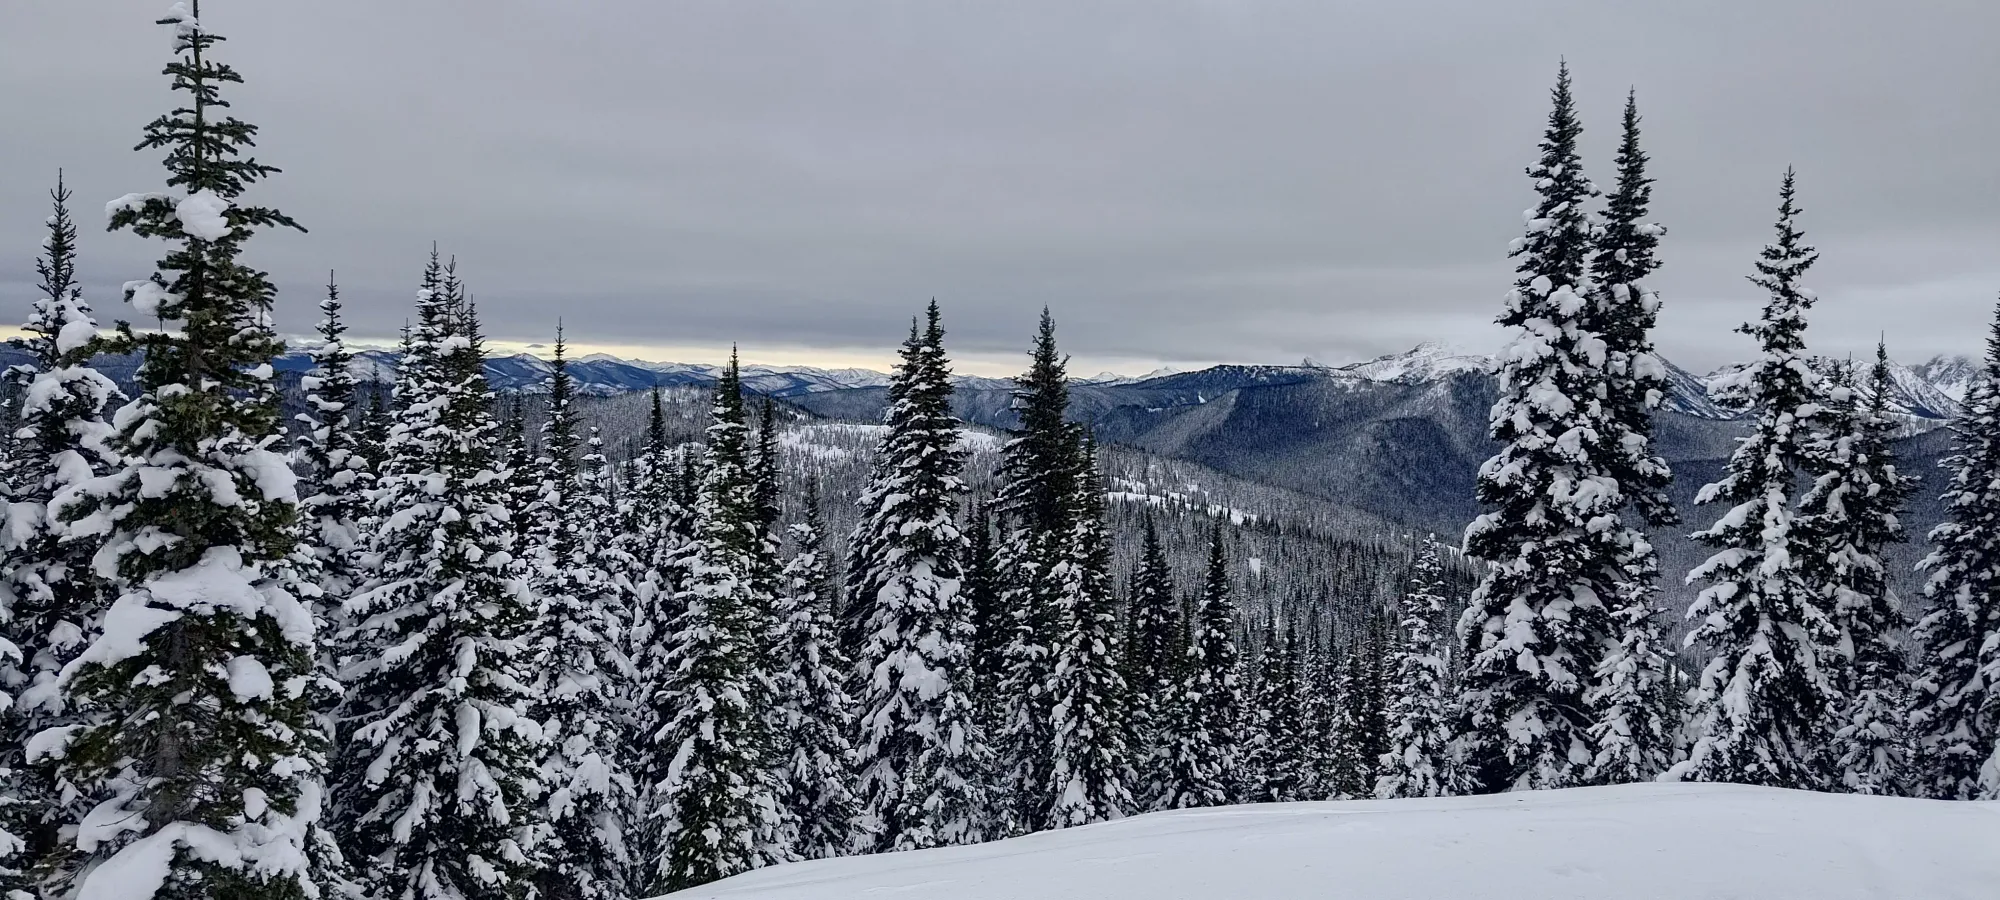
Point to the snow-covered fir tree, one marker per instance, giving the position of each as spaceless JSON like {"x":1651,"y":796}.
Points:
{"x":1538,"y":623}
{"x":197,"y":744}
{"x":1851,"y":514}
{"x":1361,"y":732}
{"x":1759,"y":716}
{"x":655,"y":532}
{"x":439,"y":767}
{"x":49,"y":598}
{"x":920,"y":754}
{"x":716,"y":810}
{"x":1956,"y":709}
{"x":1203,"y":740}
{"x":1321,"y":709}
{"x":1091,"y":773}
{"x":329,"y":455}
{"x":1276,"y":736}
{"x":1419,"y":761}
{"x":1153,"y":653}
{"x":580,"y":675}
{"x":1037,"y":515}
{"x":814,"y":714}
{"x":336,"y":479}
{"x":654,"y":543}
{"x":549,"y":522}
{"x":1624,"y":311}
{"x":984,"y":590}
{"x":1632,"y":719}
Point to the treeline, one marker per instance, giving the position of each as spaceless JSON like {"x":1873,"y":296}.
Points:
{"x":1810,"y":675}
{"x":404,"y":647}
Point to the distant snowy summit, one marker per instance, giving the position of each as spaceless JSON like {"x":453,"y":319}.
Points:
{"x":1931,"y":391}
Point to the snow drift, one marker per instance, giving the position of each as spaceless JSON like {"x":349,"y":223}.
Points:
{"x":1634,"y":842}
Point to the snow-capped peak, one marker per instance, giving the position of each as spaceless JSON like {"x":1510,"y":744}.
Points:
{"x":1427,"y":361}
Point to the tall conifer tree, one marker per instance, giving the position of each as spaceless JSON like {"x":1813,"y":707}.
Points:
{"x":1625,"y":311}
{"x":198,"y":736}
{"x":1419,"y":762}
{"x":438,"y":700}
{"x":1633,"y":723}
{"x":580,"y":667}
{"x":49,"y":598}
{"x":814,"y":713}
{"x":716,"y":809}
{"x":1153,"y":655}
{"x":1848,"y":518}
{"x":337,"y":475}
{"x":984,"y":589}
{"x":1760,"y":714}
{"x":1204,"y":737}
{"x":1039,"y":474}
{"x":1091,"y":773}
{"x":1538,"y":624}
{"x":1276,"y":741}
{"x":1956,"y":717}
{"x":920,"y":753}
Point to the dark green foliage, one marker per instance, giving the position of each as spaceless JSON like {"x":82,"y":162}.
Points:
{"x":199,"y":551}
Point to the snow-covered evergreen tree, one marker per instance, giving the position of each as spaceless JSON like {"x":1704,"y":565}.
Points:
{"x":1760,"y":713}
{"x":1625,"y":311}
{"x":654,"y":543}
{"x":580,"y":675}
{"x":49,"y":597}
{"x":920,"y":754}
{"x":1039,"y":475}
{"x":814,"y":713}
{"x":1153,"y":655}
{"x":716,"y":810}
{"x":1276,"y":736}
{"x":438,"y":775}
{"x":1848,"y":518}
{"x":1538,"y":623}
{"x":984,"y":590}
{"x":329,"y":453}
{"x":1321,"y":710}
{"x":1361,"y":732}
{"x":1632,"y":722}
{"x":1091,"y":771}
{"x":1956,"y":709}
{"x":1419,"y":762}
{"x":1203,"y":740}
{"x":1633,"y":698}
{"x":198,"y":746}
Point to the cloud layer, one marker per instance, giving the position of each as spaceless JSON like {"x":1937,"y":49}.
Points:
{"x":1182,"y":182}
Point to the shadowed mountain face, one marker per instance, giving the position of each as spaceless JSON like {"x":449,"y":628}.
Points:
{"x":1407,"y":450}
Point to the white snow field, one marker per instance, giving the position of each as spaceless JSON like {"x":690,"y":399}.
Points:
{"x":1633,"y":842}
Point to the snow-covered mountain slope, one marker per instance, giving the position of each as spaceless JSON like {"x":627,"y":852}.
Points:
{"x":1633,"y":842}
{"x":1428,"y":361}
{"x":1951,"y":376}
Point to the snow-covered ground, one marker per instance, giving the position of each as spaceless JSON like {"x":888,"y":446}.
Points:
{"x":1634,"y":842}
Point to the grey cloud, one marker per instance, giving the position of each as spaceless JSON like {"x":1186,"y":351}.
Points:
{"x":1181,"y":181}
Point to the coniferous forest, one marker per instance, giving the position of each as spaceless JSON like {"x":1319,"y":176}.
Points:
{"x":427,"y":640}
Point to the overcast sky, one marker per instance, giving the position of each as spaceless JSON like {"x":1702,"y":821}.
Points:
{"x":1183,"y":182}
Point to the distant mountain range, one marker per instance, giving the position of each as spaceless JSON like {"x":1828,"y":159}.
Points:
{"x":1926,"y":393}
{"x":1399,"y":438}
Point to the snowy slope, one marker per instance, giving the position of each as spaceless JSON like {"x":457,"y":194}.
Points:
{"x":1429,"y":361}
{"x":1951,"y":376}
{"x":1634,"y":842}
